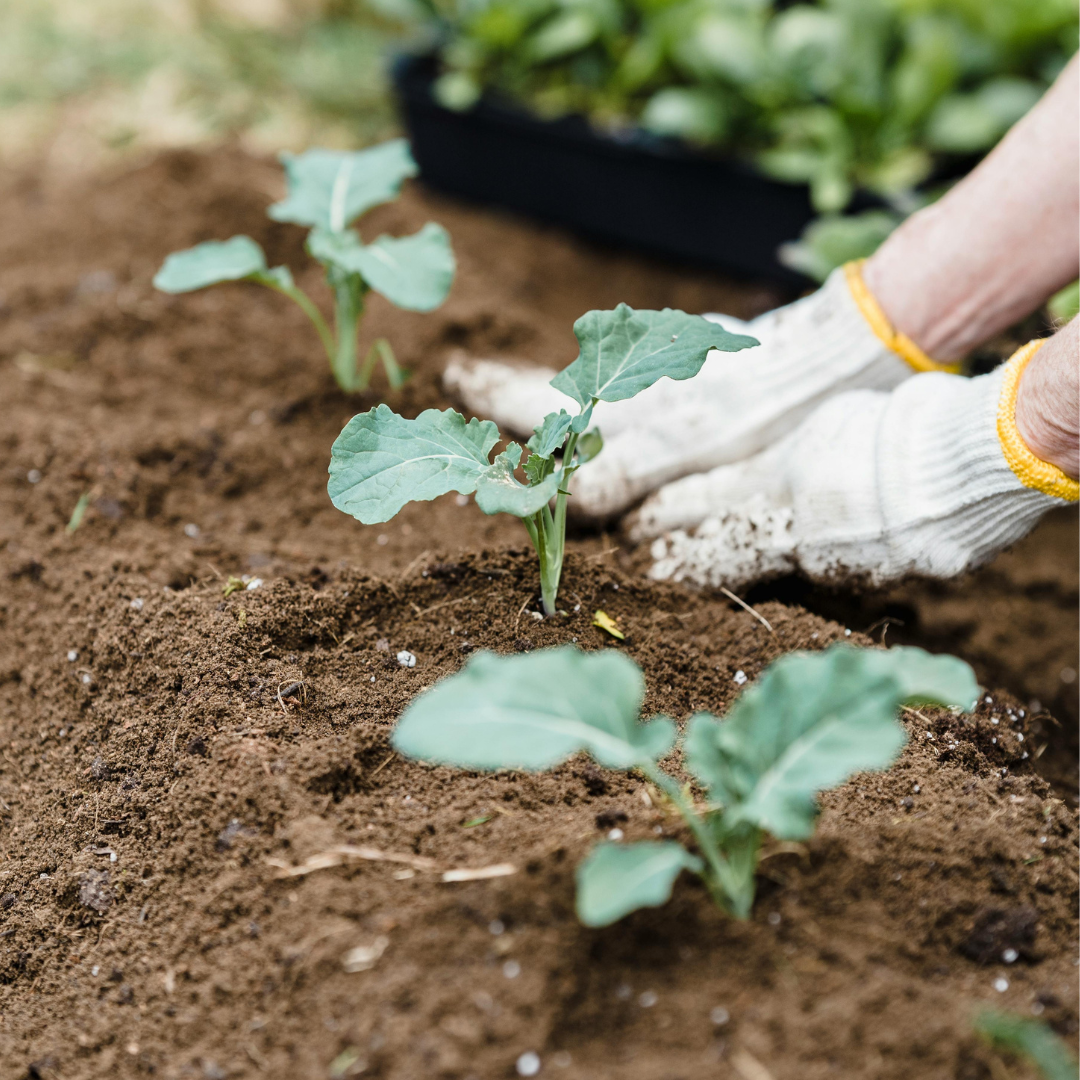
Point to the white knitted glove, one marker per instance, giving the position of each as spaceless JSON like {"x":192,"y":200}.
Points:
{"x":929,"y":479}
{"x":834,"y":340}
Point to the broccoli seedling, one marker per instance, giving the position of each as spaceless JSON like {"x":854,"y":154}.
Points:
{"x":381,"y":461}
{"x":327,"y":191}
{"x":811,"y":721}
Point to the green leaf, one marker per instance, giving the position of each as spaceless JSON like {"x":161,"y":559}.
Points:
{"x":330,"y":188}
{"x":499,"y":492}
{"x":966,"y":123}
{"x":810,"y":722}
{"x":589,"y":445}
{"x":209,"y":263}
{"x":551,"y":433}
{"x":533,"y":711}
{"x":538,"y":468}
{"x":619,"y":878}
{"x":624,"y":351}
{"x":687,"y":112}
{"x":1029,"y":1038}
{"x":414,"y":272}
{"x":381,"y":461}
{"x":564,"y":33}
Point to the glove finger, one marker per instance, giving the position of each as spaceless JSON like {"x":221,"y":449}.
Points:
{"x":739,"y":549}
{"x":686,"y":503}
{"x":516,"y":397}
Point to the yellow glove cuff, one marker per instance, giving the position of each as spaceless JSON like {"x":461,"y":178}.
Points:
{"x":1031,"y":471}
{"x":892,"y":339}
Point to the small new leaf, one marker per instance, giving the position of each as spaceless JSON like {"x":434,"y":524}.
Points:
{"x":533,"y":711}
{"x":538,"y":468}
{"x":619,"y":878}
{"x":414,"y":272}
{"x":328,"y":189}
{"x":499,"y":492}
{"x":551,"y":433}
{"x":381,"y":461}
{"x":625,"y":351}
{"x":210,"y":263}
{"x":589,"y":445}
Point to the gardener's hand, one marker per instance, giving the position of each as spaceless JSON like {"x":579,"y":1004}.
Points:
{"x":834,"y":340}
{"x":932,"y":478}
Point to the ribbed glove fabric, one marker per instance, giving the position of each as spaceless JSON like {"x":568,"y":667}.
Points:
{"x":930,"y":479}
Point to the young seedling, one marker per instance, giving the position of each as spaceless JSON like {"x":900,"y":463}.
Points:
{"x":327,"y":191}
{"x":381,"y":461}
{"x":810,"y":722}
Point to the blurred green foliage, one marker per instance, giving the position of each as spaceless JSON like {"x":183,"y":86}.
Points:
{"x":839,"y":94}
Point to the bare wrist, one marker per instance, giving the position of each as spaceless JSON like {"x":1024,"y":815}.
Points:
{"x":1048,"y":400}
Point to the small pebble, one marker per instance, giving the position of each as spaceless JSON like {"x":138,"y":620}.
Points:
{"x":615,"y":834}
{"x":847,"y":633}
{"x":511,"y":969}
{"x":72,"y":656}
{"x":372,"y":678}
{"x":461,"y":500}
{"x":496,"y":927}
{"x":658,"y":829}
{"x":1037,"y":1008}
{"x":916,"y":789}
{"x":774,"y":918}
{"x":648,"y":999}
{"x":382,"y":539}
{"x":740,"y":677}
{"x":623,"y":992}
{"x":254,"y":583}
{"x":191,"y":530}
{"x":719,"y":1016}
{"x":94,"y":970}
{"x":1001,"y":985}
{"x":538,"y":616}
{"x":136,"y":604}
{"x":86,"y":680}
{"x":406,"y":659}
{"x":1010,"y":956}
{"x":528,"y":1064}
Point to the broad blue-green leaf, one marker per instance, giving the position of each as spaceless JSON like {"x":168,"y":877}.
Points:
{"x":624,"y":351}
{"x":381,"y":461}
{"x":209,"y":263}
{"x":499,"y":492}
{"x":331,"y":188}
{"x":965,"y":123}
{"x":924,"y":677}
{"x":550,"y":435}
{"x":619,"y":878}
{"x":415,"y":272}
{"x":811,"y":721}
{"x":533,"y":711}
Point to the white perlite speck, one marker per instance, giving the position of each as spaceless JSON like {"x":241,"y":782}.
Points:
{"x":528,"y":1064}
{"x":740,"y":678}
{"x":406,"y":659}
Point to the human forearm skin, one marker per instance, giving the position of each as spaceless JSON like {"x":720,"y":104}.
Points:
{"x":1048,"y":402}
{"x":998,"y":244}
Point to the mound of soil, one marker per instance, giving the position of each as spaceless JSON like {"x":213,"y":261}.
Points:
{"x":167,"y":753}
{"x":198,"y":752}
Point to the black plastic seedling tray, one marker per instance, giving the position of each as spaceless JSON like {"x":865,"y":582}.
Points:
{"x":647,"y":193}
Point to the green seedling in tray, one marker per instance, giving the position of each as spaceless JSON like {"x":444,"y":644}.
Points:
{"x":381,"y":461}
{"x":327,"y":191}
{"x":810,"y":722}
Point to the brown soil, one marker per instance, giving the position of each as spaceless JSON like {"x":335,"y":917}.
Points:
{"x":195,"y":738}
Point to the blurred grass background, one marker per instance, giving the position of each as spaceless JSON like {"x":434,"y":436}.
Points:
{"x":83,"y":82}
